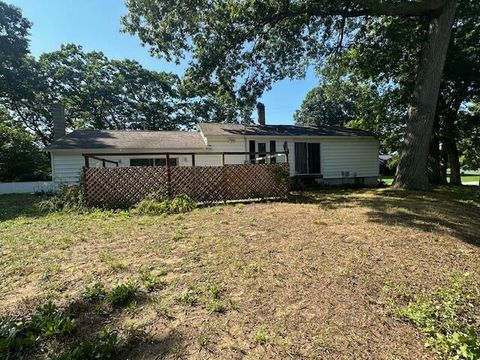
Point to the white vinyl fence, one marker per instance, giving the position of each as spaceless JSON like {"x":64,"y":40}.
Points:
{"x":25,"y":187}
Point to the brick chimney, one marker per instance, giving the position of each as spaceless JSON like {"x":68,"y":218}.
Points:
{"x":261,"y":113}
{"x":58,"y":118}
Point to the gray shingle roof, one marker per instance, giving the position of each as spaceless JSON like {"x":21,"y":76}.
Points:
{"x":111,"y":139}
{"x":278,"y":130}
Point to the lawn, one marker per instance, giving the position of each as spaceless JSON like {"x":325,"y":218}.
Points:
{"x":466,"y":179}
{"x":335,"y":274}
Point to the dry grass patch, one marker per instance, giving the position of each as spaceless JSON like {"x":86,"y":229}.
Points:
{"x":321,"y":276}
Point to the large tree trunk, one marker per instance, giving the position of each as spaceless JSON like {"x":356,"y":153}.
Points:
{"x":435,"y":175}
{"x":453,"y":161}
{"x":412,"y":167}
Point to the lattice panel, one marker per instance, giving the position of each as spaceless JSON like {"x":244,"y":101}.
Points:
{"x":125,"y":186}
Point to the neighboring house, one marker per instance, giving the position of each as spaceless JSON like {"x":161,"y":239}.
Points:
{"x":330,"y":155}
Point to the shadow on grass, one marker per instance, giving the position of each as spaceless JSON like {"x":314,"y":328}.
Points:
{"x":455,"y":210}
{"x":13,"y":206}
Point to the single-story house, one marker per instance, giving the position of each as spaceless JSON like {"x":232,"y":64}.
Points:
{"x":329,"y":155}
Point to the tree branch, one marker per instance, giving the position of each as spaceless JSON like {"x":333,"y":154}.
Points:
{"x":404,"y":8}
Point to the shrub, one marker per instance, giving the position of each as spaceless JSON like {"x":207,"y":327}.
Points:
{"x":123,"y":294}
{"x":279,"y":172}
{"x":158,"y":205}
{"x":67,"y":198}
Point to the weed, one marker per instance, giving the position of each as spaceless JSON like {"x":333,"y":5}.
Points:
{"x":123,"y":294}
{"x":134,"y":331}
{"x":163,"y":310}
{"x":188,"y":297}
{"x":105,"y":347}
{"x":67,"y":198}
{"x":215,"y":306}
{"x":157,"y":204}
{"x":217,"y":210}
{"x":94,"y":292}
{"x":215,"y":290}
{"x":178,"y":234}
{"x":151,"y":282}
{"x":261,"y":337}
{"x":233,"y":304}
{"x":111,"y":262}
{"x":204,"y":341}
{"x":444,"y":318}
{"x":179,"y":217}
{"x":46,"y":322}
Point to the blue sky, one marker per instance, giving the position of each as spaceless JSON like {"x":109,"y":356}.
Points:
{"x":95,"y":24}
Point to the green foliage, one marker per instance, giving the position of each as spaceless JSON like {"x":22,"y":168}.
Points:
{"x":105,"y":348}
{"x":20,"y":157}
{"x":94,"y":292}
{"x":150,"y":281}
{"x":111,"y":262}
{"x":188,"y":297}
{"x":46,"y":322}
{"x":328,"y":105}
{"x":123,"y":294}
{"x":445,"y":318}
{"x":67,"y":198}
{"x":215,"y":306}
{"x":261,"y":337}
{"x":124,"y":94}
{"x":14,"y":30}
{"x":155,"y":204}
{"x":280,"y":173}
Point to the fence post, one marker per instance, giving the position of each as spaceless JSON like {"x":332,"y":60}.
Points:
{"x":169,"y":179}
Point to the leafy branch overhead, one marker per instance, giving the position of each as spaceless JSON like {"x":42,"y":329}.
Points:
{"x":244,"y":46}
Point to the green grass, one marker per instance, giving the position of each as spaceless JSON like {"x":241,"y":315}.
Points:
{"x":465,"y":179}
{"x":304,"y":278}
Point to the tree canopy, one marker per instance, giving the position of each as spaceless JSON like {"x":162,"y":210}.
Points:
{"x":240,"y":47}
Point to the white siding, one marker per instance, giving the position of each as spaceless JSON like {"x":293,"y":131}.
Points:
{"x":67,"y":166}
{"x":357,"y":156}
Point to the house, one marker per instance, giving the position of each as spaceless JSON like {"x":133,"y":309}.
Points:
{"x":318,"y":155}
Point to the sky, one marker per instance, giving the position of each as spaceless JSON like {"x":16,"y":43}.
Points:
{"x":95,"y":25}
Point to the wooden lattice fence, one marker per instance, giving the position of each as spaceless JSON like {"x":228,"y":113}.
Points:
{"x":125,"y":186}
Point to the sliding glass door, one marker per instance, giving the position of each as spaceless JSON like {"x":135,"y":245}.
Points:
{"x":307,"y":158}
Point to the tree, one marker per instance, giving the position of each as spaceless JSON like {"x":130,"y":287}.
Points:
{"x":327,"y":105}
{"x":244,"y":46}
{"x":20,"y":158}
{"x":384,"y":53}
{"x":14,"y":30}
{"x":341,"y":99}
{"x":98,"y":93}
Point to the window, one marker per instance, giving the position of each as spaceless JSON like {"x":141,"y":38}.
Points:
{"x":262,"y":150}
{"x":273,"y":150}
{"x":141,"y":162}
{"x":163,"y":162}
{"x":251,"y":149}
{"x":307,"y":158}
{"x":153,"y":162}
